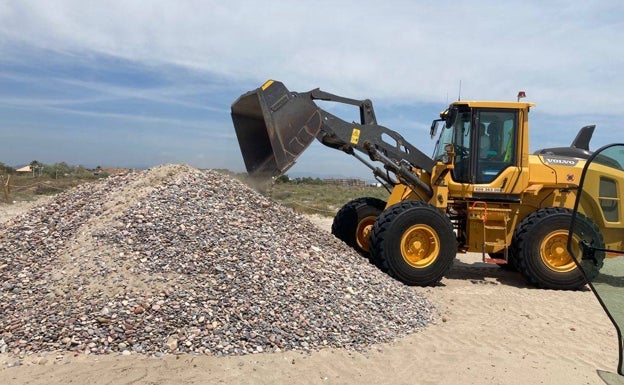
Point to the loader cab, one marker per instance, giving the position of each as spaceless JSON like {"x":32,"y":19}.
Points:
{"x":483,"y":138}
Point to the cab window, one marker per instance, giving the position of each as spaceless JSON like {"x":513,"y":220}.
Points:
{"x":496,"y":143}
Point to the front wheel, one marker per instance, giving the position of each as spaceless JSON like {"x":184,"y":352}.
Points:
{"x":354,"y":221}
{"x":540,"y":248}
{"x":414,"y":242}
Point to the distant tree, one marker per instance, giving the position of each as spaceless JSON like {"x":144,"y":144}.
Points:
{"x":282,"y":179}
{"x":37,"y":167}
{"x":81,"y":171}
{"x":58,"y":170}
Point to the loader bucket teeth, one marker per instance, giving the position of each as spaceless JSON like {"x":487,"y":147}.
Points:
{"x":273,"y":127}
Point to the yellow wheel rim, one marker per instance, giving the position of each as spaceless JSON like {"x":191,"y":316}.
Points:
{"x":554,"y":252}
{"x":420,"y":246}
{"x":363,"y":231}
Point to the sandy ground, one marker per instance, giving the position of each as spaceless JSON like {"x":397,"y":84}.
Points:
{"x":494,"y":329}
{"x":8,"y":211}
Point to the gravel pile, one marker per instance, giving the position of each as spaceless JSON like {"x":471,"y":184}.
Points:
{"x":178,"y":260}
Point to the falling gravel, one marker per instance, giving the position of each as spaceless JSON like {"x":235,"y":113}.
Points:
{"x":178,"y":260}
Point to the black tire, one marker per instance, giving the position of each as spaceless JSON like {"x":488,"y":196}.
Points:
{"x":354,"y":221}
{"x":540,"y":248}
{"x":414,"y":242}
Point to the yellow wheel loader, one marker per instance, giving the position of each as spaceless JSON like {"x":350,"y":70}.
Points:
{"x":481,"y":191}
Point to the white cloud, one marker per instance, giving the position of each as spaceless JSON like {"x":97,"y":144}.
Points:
{"x":396,"y":49}
{"x":564,"y":54}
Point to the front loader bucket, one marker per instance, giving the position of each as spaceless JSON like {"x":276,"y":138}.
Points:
{"x":273,"y":127}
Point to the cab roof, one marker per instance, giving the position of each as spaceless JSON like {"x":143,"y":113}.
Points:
{"x":493,"y":104}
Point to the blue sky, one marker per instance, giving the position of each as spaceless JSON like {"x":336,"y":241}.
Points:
{"x":141,"y":83}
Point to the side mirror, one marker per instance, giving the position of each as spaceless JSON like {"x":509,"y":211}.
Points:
{"x":434,"y":127}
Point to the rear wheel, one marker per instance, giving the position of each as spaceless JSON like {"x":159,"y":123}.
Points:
{"x":540,"y":248}
{"x":354,"y":221}
{"x":414,"y":242}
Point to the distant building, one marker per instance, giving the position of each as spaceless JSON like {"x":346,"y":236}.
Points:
{"x":24,"y":170}
{"x":345,"y":181}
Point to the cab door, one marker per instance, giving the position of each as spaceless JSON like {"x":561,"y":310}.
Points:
{"x":494,"y":149}
{"x":486,"y":151}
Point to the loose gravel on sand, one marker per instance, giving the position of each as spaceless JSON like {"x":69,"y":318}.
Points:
{"x":178,"y":260}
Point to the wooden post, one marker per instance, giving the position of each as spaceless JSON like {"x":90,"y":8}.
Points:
{"x":5,"y":187}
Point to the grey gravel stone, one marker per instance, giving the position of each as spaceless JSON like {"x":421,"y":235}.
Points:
{"x":178,"y":260}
